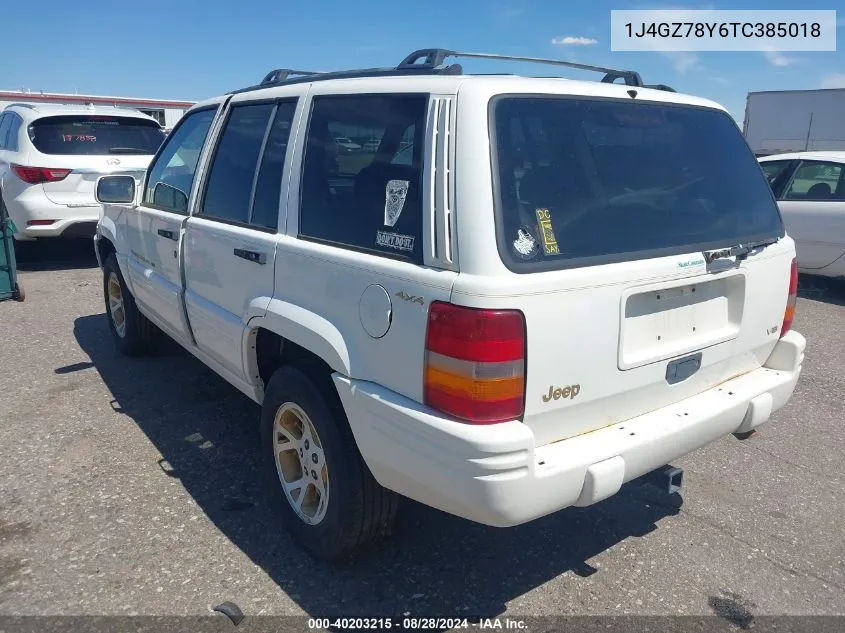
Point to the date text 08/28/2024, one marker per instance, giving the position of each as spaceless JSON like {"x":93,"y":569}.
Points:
{"x":415,"y":624}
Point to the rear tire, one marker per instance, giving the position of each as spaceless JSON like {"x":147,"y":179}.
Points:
{"x":18,"y":293}
{"x":133,"y":333}
{"x":343,"y":506}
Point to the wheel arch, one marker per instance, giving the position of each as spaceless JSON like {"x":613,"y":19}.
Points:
{"x":104,"y":246}
{"x":290,"y":334}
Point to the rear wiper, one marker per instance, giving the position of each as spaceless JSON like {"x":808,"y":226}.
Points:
{"x":127,"y":150}
{"x":740,"y":251}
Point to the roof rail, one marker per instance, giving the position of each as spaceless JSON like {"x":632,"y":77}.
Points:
{"x":279,"y":78}
{"x":663,"y":87}
{"x":281,"y":74}
{"x":431,"y":58}
{"x":430,"y":61}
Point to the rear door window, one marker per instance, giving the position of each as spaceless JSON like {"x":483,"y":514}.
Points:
{"x":265,"y":200}
{"x":587,"y":181}
{"x":232,"y":173}
{"x":817,"y":181}
{"x":96,"y":135}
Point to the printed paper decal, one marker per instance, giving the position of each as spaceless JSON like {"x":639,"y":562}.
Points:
{"x":395,"y":193}
{"x":544,"y":220}
{"x":395,"y":241}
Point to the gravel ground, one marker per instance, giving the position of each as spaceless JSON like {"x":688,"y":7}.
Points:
{"x":128,"y":487}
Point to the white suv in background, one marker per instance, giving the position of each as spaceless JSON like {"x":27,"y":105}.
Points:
{"x":531,"y":292}
{"x":52,"y":155}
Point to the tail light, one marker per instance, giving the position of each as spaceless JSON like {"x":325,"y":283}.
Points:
{"x":475,"y":363}
{"x":789,"y":314}
{"x":37,"y":175}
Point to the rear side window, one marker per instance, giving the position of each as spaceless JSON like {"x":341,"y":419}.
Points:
{"x":586,"y":181}
{"x":362,"y":174}
{"x":95,"y":135}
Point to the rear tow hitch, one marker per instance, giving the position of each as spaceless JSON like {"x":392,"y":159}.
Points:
{"x":668,"y":479}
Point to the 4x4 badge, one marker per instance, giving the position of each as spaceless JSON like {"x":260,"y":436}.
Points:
{"x":406,"y":297}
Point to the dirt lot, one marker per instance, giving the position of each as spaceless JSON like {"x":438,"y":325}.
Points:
{"x":128,"y":487}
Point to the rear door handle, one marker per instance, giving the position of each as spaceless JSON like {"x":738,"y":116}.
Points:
{"x":251,"y":256}
{"x":168,"y":234}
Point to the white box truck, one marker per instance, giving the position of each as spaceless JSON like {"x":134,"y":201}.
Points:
{"x":795,"y":120}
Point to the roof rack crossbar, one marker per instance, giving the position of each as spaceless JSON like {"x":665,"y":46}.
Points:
{"x":281,"y":74}
{"x":433,"y":57}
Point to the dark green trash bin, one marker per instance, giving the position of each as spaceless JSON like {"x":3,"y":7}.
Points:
{"x":9,"y":286}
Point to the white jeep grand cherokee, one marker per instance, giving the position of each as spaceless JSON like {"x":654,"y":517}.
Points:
{"x":528,"y":292}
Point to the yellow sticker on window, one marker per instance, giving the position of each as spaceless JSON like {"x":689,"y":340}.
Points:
{"x":544,"y":221}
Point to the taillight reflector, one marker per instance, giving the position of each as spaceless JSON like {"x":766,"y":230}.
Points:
{"x":39,"y":222}
{"x":37,"y":175}
{"x":475,"y":363}
{"x":789,"y":313}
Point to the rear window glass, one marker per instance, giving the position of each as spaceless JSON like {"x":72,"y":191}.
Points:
{"x":585,"y":181}
{"x":95,"y":135}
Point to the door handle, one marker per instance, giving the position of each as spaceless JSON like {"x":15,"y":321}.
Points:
{"x":251,"y":256}
{"x":167,"y":233}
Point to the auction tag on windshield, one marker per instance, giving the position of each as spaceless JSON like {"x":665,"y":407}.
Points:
{"x":544,"y":221}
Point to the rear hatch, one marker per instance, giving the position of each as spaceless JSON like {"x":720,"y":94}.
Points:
{"x":91,"y":146}
{"x":610,"y":215}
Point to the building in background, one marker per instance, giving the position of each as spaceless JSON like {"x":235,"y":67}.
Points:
{"x":795,"y":120}
{"x":164,"y":111}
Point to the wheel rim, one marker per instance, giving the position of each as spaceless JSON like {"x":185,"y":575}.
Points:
{"x":116,"y":307}
{"x":301,"y":463}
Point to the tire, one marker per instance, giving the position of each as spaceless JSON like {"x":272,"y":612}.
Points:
{"x":18,"y":293}
{"x":357,"y":509}
{"x":135,"y":334}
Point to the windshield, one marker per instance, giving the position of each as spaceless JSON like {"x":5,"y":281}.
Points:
{"x":587,"y":181}
{"x":95,"y":135}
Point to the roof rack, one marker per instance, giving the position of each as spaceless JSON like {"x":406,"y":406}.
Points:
{"x":430,"y":61}
{"x":281,"y":74}
{"x":280,"y":78}
{"x":434,"y":57}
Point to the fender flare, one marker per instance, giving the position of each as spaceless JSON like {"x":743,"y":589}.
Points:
{"x":303,"y":327}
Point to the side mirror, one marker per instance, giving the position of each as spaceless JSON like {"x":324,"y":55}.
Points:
{"x":116,"y":189}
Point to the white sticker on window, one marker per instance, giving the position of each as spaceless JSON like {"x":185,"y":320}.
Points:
{"x":395,"y":193}
{"x":525,"y":246}
{"x":395,"y":240}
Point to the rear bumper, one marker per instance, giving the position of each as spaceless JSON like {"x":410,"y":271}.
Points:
{"x":67,"y":221}
{"x":495,"y":475}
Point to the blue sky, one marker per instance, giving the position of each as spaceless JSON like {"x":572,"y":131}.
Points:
{"x":184,"y":49}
